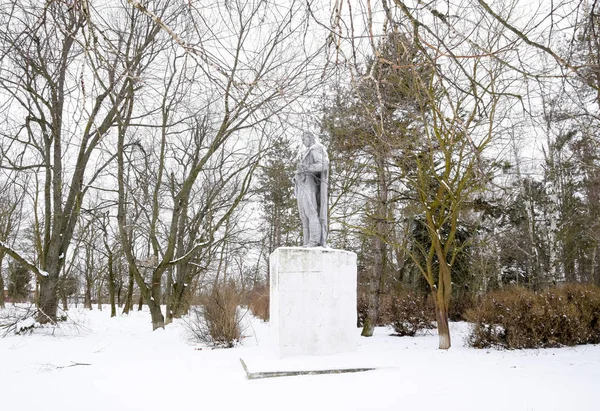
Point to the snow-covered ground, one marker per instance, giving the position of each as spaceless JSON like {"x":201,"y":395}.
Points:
{"x":120,"y":364}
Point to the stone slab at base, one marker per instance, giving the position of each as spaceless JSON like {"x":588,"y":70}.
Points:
{"x":313,"y":301}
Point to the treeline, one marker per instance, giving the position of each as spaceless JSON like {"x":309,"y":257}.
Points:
{"x":131,"y":136}
{"x":464,"y":152}
{"x":147,"y":150}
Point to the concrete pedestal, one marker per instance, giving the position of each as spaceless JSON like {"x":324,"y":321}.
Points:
{"x":313,"y":301}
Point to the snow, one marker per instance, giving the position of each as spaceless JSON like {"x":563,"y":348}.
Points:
{"x":25,"y":324}
{"x":102,"y":363}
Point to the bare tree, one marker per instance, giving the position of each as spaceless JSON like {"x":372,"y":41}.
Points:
{"x":66,"y":76}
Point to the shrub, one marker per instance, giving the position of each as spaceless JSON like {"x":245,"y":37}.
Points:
{"x":217,"y":322}
{"x":411,"y":313}
{"x":383,"y":314}
{"x":519,"y":318}
{"x":460,"y":303}
{"x":407,"y":311}
{"x":257,"y":301}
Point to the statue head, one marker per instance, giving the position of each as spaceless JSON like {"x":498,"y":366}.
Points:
{"x":308,"y":138}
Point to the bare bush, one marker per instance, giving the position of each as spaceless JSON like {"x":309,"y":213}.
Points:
{"x":217,"y":322}
{"x":383,"y":313}
{"x":406,"y":311}
{"x":411,"y":313}
{"x":257,"y":301}
{"x":519,"y":318}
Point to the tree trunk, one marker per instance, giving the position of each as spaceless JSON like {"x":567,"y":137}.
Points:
{"x":441,"y":296}
{"x":129,"y":297}
{"x":595,"y":271}
{"x":181,"y":290}
{"x":180,"y":299}
{"x":48,"y":299}
{"x":87,"y":302}
{"x":36,"y":296}
{"x":119,"y":290}
{"x":1,"y":286}
{"x":169,"y":296}
{"x":376,"y":279}
{"x":441,"y":315}
{"x":111,"y":286}
{"x":158,"y":320}
{"x":177,"y":299}
{"x":373,"y":292}
{"x":99,"y":294}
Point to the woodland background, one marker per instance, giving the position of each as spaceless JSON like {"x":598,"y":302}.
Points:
{"x":147,"y":150}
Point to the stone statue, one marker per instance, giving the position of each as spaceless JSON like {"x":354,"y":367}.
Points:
{"x":310,"y":187}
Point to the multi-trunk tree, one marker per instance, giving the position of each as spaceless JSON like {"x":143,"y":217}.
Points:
{"x":67,"y":72}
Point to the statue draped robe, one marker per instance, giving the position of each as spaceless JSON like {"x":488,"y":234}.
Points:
{"x":311,"y":191}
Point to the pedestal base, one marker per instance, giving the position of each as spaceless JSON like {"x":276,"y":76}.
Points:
{"x":313,"y":301}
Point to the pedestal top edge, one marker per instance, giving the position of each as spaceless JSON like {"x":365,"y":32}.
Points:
{"x":313,"y":249}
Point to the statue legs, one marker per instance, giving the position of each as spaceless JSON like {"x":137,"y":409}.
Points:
{"x":307,"y":206}
{"x":311,"y":228}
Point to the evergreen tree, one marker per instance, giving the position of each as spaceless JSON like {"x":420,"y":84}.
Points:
{"x":276,"y":191}
{"x":372,"y":130}
{"x":19,"y":277}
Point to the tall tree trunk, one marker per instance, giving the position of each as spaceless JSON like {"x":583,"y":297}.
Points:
{"x":87,"y":302}
{"x":1,"y":282}
{"x":181,"y":297}
{"x":99,"y":293}
{"x":158,"y":320}
{"x":595,"y":272}
{"x":175,"y":307}
{"x":111,"y":285}
{"x":441,"y":316}
{"x":48,"y":298}
{"x":36,"y":296}
{"x":377,"y":273}
{"x":181,"y":289}
{"x":169,"y":296}
{"x":442,"y":301}
{"x":373,"y":289}
{"x":129,"y":296}
{"x":177,"y":298}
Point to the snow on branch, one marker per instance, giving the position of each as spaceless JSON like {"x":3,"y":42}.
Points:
{"x":187,"y":255}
